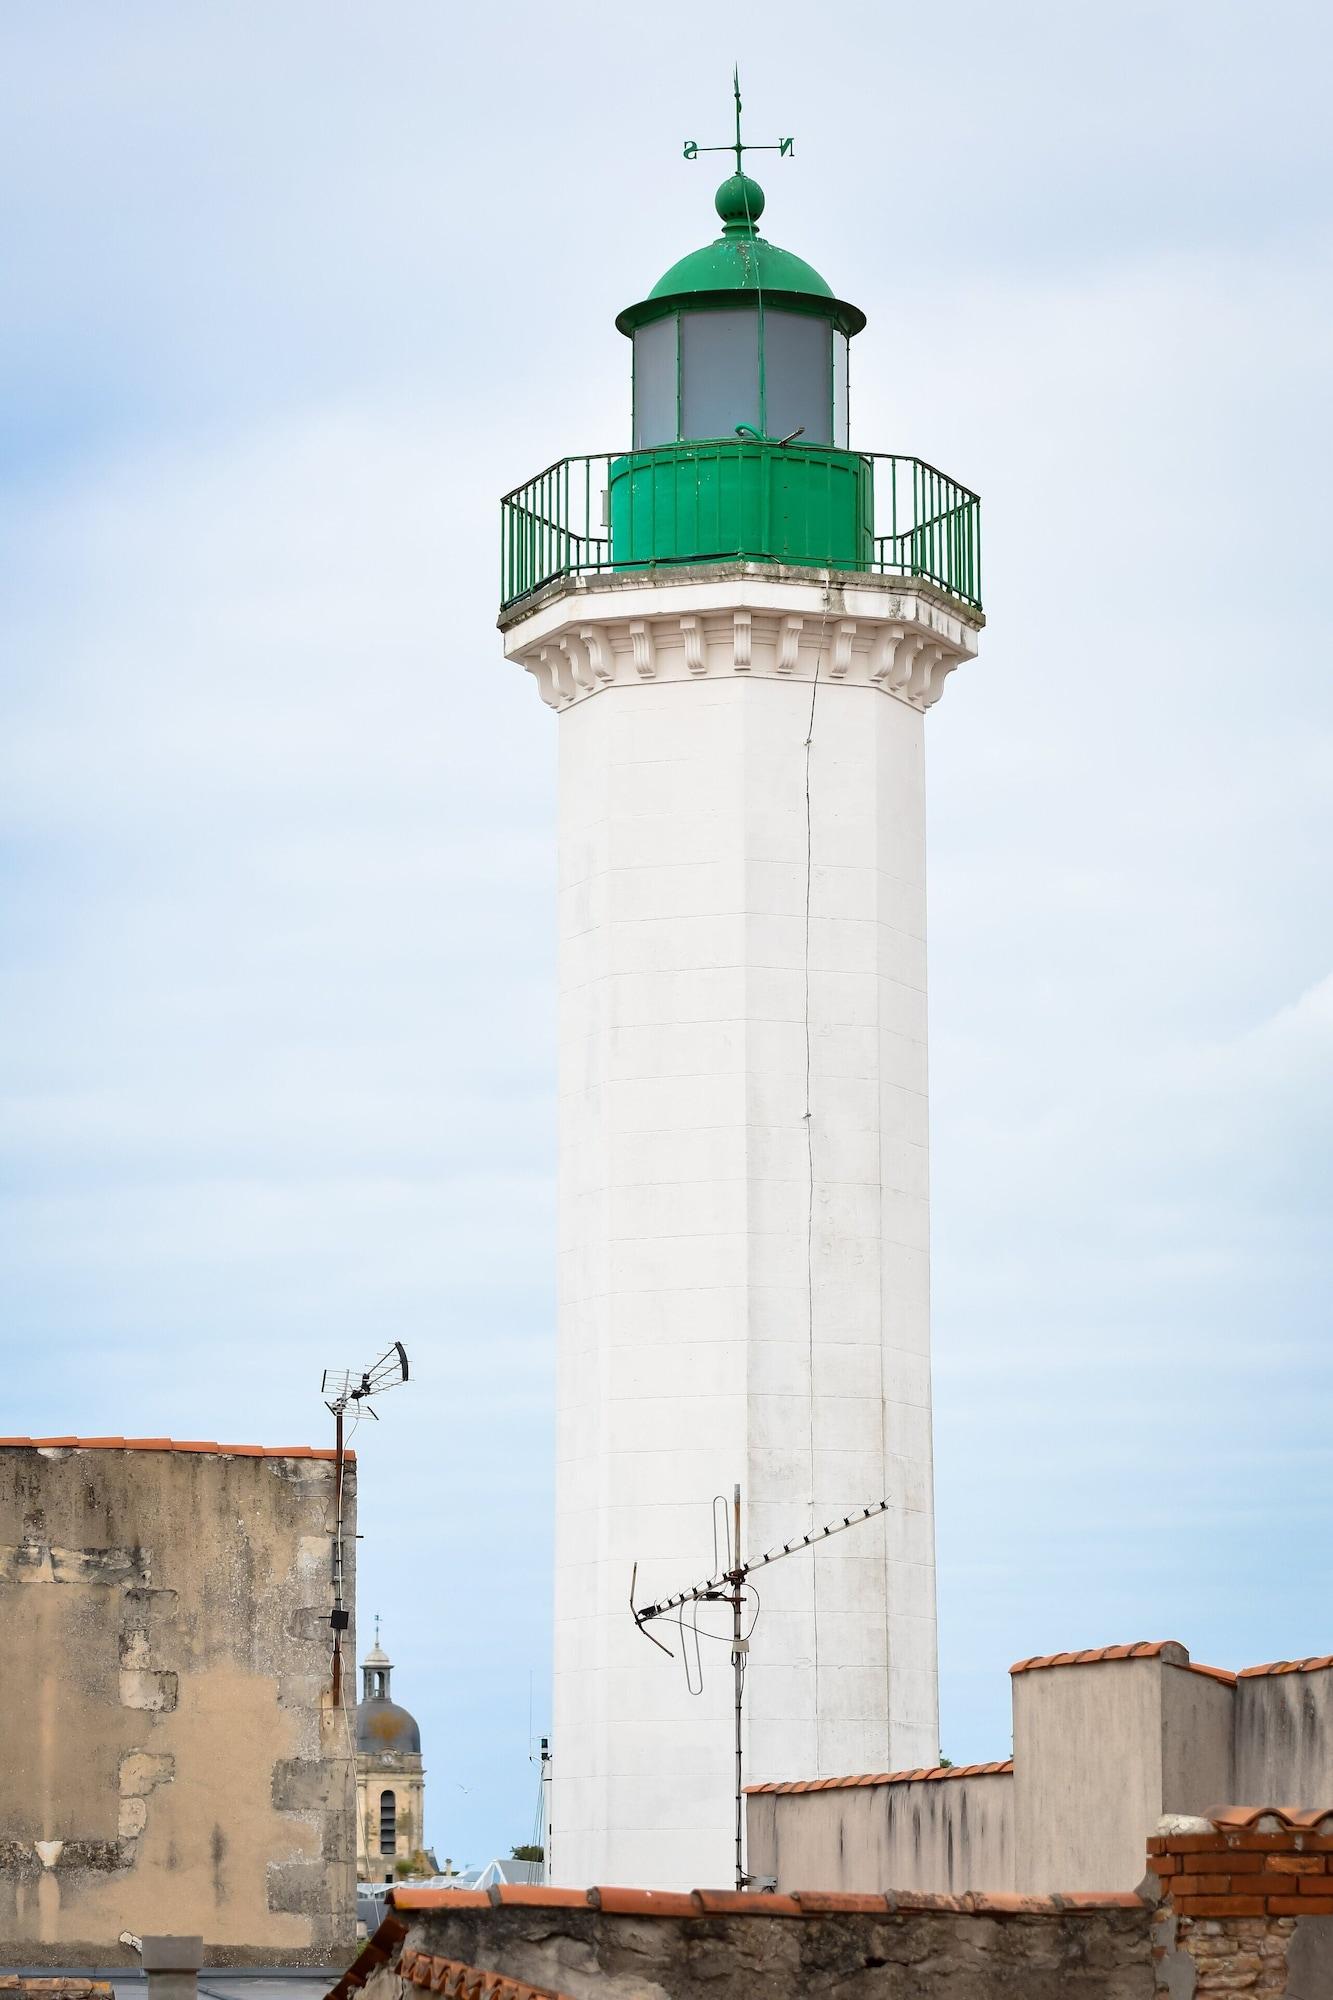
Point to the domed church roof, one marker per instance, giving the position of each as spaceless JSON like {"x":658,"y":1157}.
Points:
{"x":382,"y":1725}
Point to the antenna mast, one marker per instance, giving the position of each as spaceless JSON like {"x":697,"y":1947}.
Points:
{"x":728,"y":1586}
{"x":339,"y":1388}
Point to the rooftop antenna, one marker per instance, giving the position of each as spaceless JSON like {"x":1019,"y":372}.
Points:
{"x":728,"y":1585}
{"x":339,"y":1388}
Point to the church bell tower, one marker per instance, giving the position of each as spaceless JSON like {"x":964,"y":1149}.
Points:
{"x":740,"y":621}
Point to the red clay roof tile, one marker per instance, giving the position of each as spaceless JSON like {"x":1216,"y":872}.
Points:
{"x":1245,"y":1819}
{"x":541,"y":1895}
{"x":919,"y":1777}
{"x":643,"y":1902}
{"x":732,"y":1902}
{"x":1146,"y":1649}
{"x":377,"y":1950}
{"x":456,"y":1981}
{"x":744,"y":1903}
{"x":1314,"y":1665}
{"x":439,"y":1899}
{"x":832,"y":1903}
{"x":168,"y":1444}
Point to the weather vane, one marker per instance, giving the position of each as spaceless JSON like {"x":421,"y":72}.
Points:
{"x":784,"y":147}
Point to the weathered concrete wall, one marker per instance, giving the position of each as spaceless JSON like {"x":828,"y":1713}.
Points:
{"x":1195,"y":1742}
{"x":950,"y":1832}
{"x":741,"y":1948}
{"x":1101,"y":1751}
{"x":1284,"y":1734}
{"x":170,"y":1763}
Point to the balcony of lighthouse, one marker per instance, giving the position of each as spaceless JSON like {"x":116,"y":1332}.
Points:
{"x":775,"y":506}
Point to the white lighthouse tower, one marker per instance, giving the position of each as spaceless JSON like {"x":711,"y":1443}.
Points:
{"x":740,"y":621}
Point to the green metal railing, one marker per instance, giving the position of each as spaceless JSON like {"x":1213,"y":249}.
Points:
{"x":741,"y":499}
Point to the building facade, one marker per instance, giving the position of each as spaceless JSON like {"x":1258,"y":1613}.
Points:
{"x":171,"y":1758}
{"x":390,"y":1776}
{"x":740,"y":623}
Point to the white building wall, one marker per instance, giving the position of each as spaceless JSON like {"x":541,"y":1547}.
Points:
{"x":723,"y":1316}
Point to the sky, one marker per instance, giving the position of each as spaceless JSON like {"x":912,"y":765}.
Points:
{"x":292,"y":293}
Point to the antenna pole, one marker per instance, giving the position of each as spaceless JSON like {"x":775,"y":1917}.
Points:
{"x":336,"y":1691}
{"x":733,"y":1577}
{"x":738,"y":1650}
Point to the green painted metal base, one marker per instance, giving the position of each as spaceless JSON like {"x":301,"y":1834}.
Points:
{"x":742,"y":499}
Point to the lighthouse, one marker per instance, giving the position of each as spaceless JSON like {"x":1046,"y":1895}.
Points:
{"x":740,"y":620}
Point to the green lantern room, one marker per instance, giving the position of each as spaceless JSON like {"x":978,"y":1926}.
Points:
{"x":740,"y":338}
{"x":740,"y":446}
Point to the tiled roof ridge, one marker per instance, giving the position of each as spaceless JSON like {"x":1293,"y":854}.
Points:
{"x":1168,"y":1650}
{"x":377,"y":1950}
{"x":748,"y":1902}
{"x":1246,"y":1819}
{"x":456,"y":1981}
{"x":1311,"y":1666}
{"x":171,"y":1444}
{"x":928,"y":1775}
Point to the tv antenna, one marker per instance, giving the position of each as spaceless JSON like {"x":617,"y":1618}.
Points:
{"x":340,"y":1388}
{"x":729,"y":1585}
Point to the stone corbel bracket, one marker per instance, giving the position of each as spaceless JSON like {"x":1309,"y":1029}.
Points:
{"x":904,"y":642}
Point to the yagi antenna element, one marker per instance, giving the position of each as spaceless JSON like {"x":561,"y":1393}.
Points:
{"x":340,"y":1387}
{"x":730,"y":1584}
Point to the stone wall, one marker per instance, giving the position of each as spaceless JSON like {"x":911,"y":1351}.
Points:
{"x":624,"y":1944}
{"x":1248,"y":1906}
{"x":170,"y":1760}
{"x":1238,"y":1905}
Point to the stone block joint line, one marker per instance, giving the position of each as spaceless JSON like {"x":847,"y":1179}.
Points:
{"x":810,"y":1121}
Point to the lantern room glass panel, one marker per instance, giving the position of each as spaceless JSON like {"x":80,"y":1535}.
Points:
{"x":655,"y":383}
{"x":840,"y":431}
{"x":798,"y":377}
{"x":719,"y":372}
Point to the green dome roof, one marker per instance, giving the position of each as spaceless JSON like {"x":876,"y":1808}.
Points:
{"x":740,"y":260}
{"x":740,"y":264}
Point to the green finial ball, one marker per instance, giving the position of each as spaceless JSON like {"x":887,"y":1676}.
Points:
{"x":739,"y":201}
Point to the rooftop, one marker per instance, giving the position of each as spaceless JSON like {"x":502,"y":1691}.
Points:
{"x":929,"y":1776}
{"x":1169,"y":1651}
{"x":169,"y":1444}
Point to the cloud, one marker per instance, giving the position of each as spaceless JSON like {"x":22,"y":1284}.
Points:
{"x":290,"y":308}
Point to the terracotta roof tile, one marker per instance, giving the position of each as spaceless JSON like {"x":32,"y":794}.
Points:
{"x":456,"y":1981}
{"x":540,"y":1894}
{"x":1170,"y":1650}
{"x":643,"y":1902}
{"x":1313,"y":1665}
{"x":925,"y":1776}
{"x":731,"y":1902}
{"x":834,"y":1903}
{"x":744,"y":1903}
{"x":376,"y":1951}
{"x":439,"y":1899}
{"x":169,"y":1444}
{"x":1250,"y":1819}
